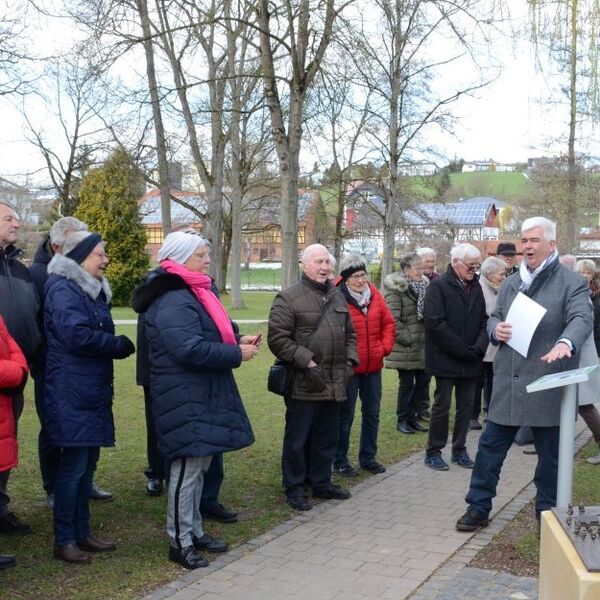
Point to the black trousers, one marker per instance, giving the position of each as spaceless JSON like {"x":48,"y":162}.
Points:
{"x":483,"y":393}
{"x":464,"y":391}
{"x":317,"y":422}
{"x":49,"y":455}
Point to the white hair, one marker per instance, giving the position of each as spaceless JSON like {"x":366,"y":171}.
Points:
{"x":63,"y":228}
{"x":310,"y":250}
{"x":548,"y":227}
{"x":425,"y":252}
{"x":462,"y":251}
{"x":585,"y":264}
{"x":491,"y":265}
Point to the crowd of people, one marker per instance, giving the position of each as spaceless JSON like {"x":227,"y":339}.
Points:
{"x":335,"y":333}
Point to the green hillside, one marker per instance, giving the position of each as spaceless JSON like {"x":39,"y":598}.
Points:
{"x":509,"y":187}
{"x":505,"y":186}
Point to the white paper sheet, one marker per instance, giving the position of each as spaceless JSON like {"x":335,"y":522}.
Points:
{"x":524,"y":315}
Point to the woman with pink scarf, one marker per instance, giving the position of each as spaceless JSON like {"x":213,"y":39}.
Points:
{"x":196,"y":404}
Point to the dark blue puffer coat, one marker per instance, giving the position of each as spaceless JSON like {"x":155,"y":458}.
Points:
{"x":197,"y":407}
{"x":81,"y":346}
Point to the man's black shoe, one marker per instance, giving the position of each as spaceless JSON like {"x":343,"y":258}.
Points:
{"x":208,"y":542}
{"x":299,"y":503}
{"x":346,"y":470}
{"x":6,"y":561}
{"x":10,"y":525}
{"x":417,"y":426}
{"x":100,"y":494}
{"x":219,"y":513}
{"x":374,"y":468}
{"x":332,"y":492}
{"x":425,"y":416}
{"x":472,"y":520}
{"x":187,"y":557}
{"x":404,"y":427}
{"x":154,"y":487}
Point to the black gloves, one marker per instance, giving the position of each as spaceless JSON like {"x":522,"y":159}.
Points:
{"x":124,"y":348}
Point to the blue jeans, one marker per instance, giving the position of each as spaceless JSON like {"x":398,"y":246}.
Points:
{"x":369,"y":386}
{"x":72,"y":494}
{"x":494,"y":444}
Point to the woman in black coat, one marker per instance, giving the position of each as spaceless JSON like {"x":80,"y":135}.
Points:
{"x":196,"y":404}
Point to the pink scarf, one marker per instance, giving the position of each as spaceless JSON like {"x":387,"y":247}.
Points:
{"x":200,"y":285}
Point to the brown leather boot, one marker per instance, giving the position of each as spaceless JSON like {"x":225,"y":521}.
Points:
{"x":92,"y":544}
{"x":71,"y":554}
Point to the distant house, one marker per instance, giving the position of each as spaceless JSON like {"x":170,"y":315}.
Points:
{"x":261,"y":238}
{"x":21,"y":198}
{"x":423,"y":168}
{"x":151,"y":217}
{"x":487,"y":165}
{"x":472,"y":219}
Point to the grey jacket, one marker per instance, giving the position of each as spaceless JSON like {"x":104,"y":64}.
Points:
{"x":565,"y":295}
{"x":293,"y":317}
{"x":409,"y":347}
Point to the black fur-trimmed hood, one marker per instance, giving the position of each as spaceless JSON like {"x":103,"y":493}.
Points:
{"x":156,"y":284}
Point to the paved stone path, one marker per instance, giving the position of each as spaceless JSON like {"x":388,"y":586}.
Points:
{"x":393,"y":539}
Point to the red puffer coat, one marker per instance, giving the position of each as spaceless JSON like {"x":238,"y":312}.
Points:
{"x":375,"y":331}
{"x":13,"y":372}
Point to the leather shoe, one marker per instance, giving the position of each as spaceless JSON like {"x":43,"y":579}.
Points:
{"x":219,"y":513}
{"x":417,"y":426}
{"x":71,"y":554}
{"x":332,"y":492}
{"x":404,"y":427}
{"x":154,"y":487}
{"x":187,"y":557}
{"x":92,"y":544}
{"x":374,"y":468}
{"x":208,"y":542}
{"x":6,"y":561}
{"x":100,"y":494}
{"x":299,"y":503}
{"x":10,"y":525}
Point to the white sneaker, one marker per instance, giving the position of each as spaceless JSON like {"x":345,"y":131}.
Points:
{"x":593,"y":460}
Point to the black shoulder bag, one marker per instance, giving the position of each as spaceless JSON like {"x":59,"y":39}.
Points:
{"x":281,"y":373}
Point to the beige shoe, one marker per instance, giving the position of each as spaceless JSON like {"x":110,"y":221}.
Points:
{"x":593,"y":460}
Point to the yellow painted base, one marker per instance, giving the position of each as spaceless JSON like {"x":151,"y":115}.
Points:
{"x":562,"y":574}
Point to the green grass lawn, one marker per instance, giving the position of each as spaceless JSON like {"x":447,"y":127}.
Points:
{"x":252,"y":487}
{"x":257,"y":305}
{"x":506,"y":186}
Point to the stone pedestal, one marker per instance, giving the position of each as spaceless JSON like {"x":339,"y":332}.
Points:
{"x":563,"y":576}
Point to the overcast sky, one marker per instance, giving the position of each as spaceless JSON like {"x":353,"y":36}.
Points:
{"x":507,"y":121}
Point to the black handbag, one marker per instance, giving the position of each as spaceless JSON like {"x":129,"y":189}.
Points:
{"x":281,"y":373}
{"x":280,"y":378}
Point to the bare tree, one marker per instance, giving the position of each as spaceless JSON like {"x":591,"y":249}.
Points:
{"x":398,"y":67}
{"x":300,"y":31}
{"x":566,"y":31}
{"x":73,"y":101}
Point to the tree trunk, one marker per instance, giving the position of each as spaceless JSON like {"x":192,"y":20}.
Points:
{"x":161,"y":144}
{"x":572,"y":220}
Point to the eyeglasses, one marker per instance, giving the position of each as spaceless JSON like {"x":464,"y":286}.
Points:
{"x":471,"y":267}
{"x":358,"y":276}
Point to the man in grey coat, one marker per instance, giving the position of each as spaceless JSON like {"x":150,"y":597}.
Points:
{"x":555,"y":347}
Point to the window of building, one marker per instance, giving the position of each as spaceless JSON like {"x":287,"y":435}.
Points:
{"x":154,"y":235}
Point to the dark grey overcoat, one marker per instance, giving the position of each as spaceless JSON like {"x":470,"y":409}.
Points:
{"x":569,"y":315}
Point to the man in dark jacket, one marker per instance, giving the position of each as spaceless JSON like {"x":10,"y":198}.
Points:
{"x":19,"y":306}
{"x":555,"y":346}
{"x":311,"y":329}
{"x":455,"y":343}
{"x":49,"y":455}
{"x":507,"y":251}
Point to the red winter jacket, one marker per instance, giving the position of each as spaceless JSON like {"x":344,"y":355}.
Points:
{"x":375,"y":331}
{"x":13,"y":372}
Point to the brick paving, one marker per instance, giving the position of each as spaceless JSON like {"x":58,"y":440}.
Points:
{"x":393,"y":539}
